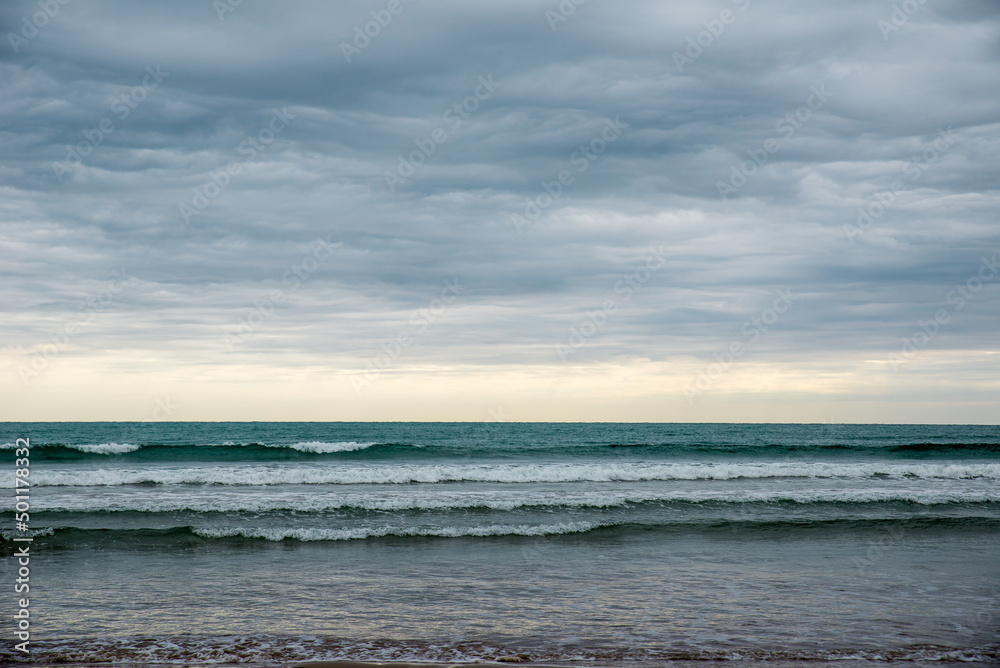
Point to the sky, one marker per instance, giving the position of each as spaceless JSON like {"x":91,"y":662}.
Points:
{"x":724,"y":211}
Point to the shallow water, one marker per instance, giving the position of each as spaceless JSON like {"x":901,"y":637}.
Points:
{"x":543,"y":542}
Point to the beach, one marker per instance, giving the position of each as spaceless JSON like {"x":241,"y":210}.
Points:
{"x":549,"y":544}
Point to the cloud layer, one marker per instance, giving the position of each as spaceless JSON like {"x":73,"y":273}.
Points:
{"x":616,"y":193}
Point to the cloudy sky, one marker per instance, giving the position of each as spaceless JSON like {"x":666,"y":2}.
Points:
{"x":727,"y":210}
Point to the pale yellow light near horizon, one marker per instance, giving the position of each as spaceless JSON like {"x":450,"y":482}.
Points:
{"x":631,"y":390}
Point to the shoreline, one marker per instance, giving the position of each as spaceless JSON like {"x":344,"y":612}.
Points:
{"x":661,"y":663}
{"x":675,"y":663}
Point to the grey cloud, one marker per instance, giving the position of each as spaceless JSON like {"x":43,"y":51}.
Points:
{"x":656,"y":185}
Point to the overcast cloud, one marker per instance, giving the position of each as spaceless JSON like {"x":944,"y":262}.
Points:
{"x":318,"y":223}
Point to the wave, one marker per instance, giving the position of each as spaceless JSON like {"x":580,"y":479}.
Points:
{"x":10,"y":534}
{"x":267,"y":649}
{"x":206,"y":452}
{"x":508,"y":473}
{"x":325,"y":534}
{"x":89,"y":449}
{"x":312,"y":449}
{"x":506,"y":502}
{"x":69,"y":534}
{"x":984,"y":448}
{"x":180,"y":536}
{"x":322,"y":447}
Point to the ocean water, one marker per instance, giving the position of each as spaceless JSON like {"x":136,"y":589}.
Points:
{"x":584,"y":544}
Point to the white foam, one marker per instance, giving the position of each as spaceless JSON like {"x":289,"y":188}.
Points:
{"x":9,"y":534}
{"x":259,"y":474}
{"x":438,"y":499}
{"x":314,"y":534}
{"x":270,"y":649}
{"x":318,"y":447}
{"x":107,"y":448}
{"x":98,"y":449}
{"x":322,"y":447}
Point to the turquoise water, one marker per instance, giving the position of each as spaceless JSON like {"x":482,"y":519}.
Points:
{"x":591,"y":543}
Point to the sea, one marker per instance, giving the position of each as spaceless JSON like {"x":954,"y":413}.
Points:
{"x":592,"y":544}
